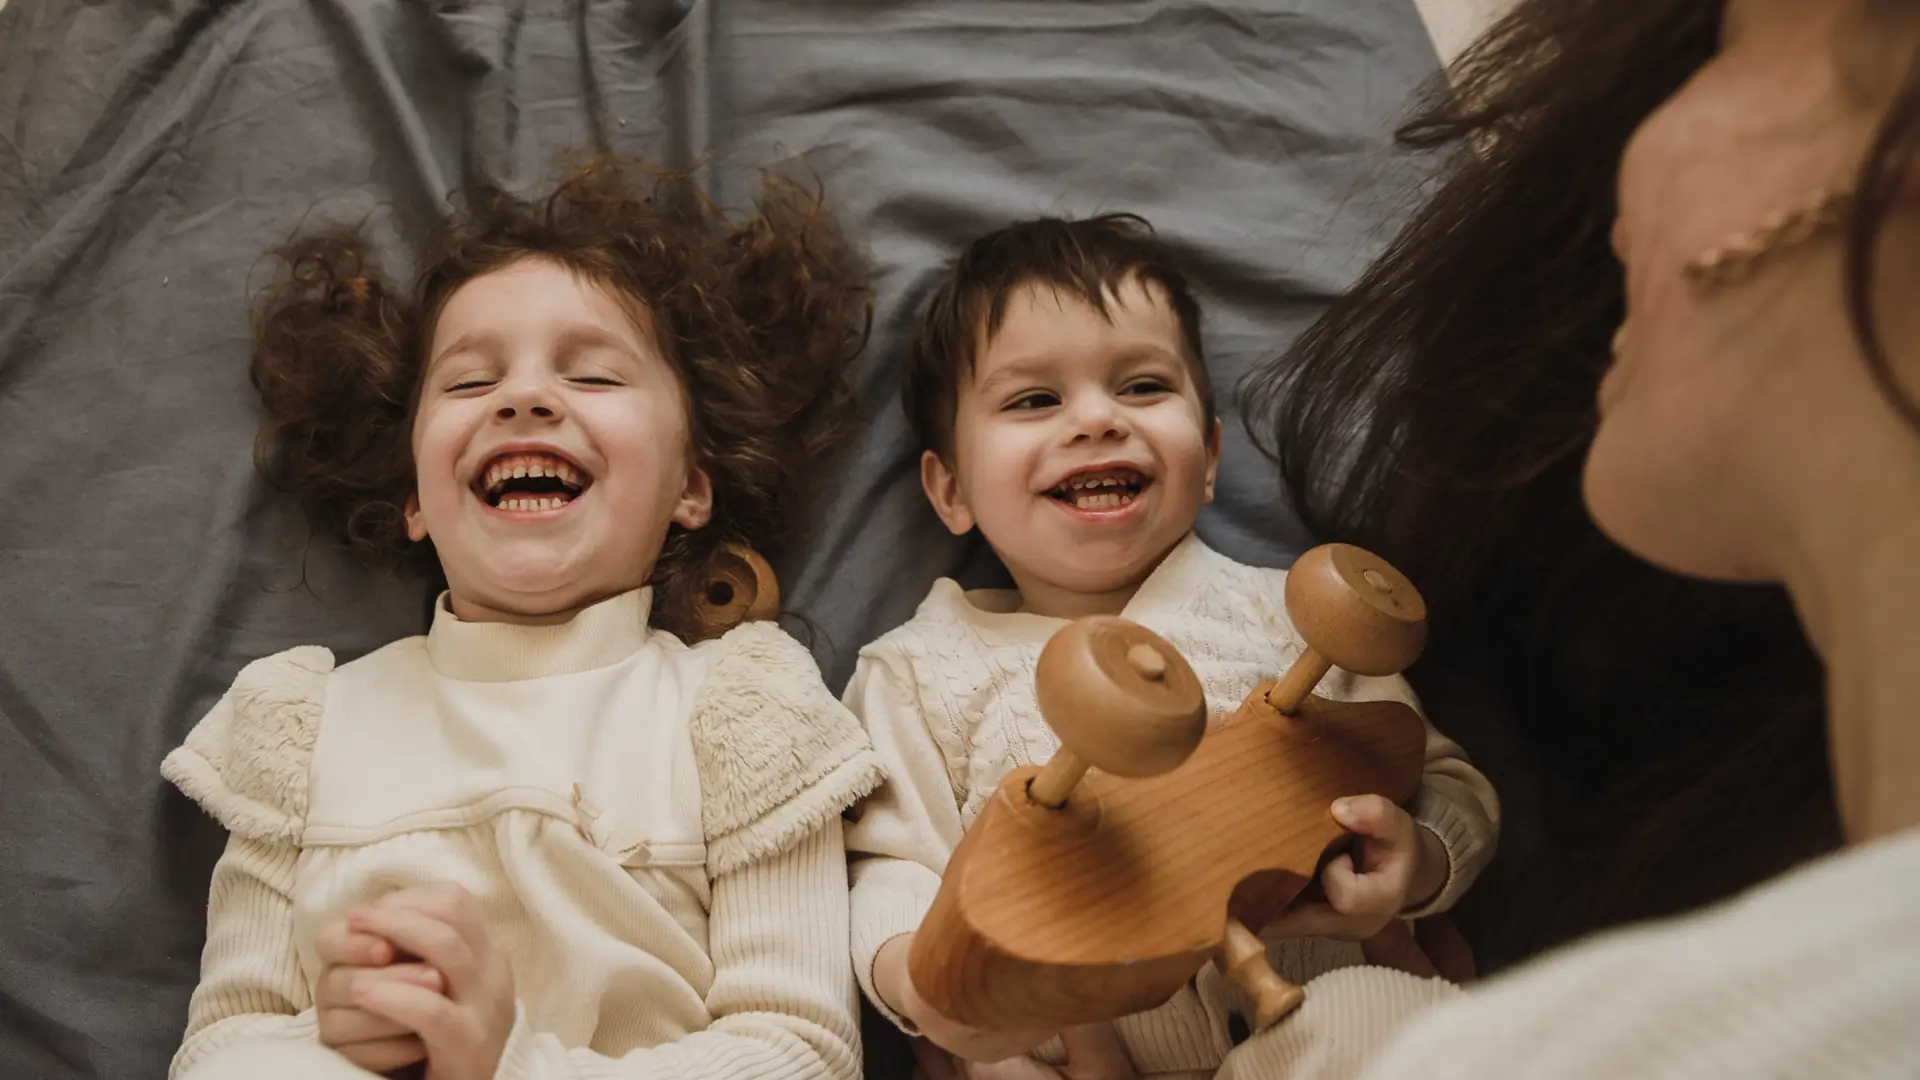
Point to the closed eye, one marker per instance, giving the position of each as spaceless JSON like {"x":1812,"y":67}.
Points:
{"x":469,"y":384}
{"x":597,"y":380}
{"x":1038,"y":399}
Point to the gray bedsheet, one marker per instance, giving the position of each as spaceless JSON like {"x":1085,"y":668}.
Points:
{"x":151,"y":150}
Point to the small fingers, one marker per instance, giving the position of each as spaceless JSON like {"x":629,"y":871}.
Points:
{"x":335,"y":987}
{"x":343,"y":1023}
{"x":1351,"y":893}
{"x":1094,"y":1052}
{"x":1363,"y":814}
{"x":437,"y":944}
{"x":432,"y":1016}
{"x":336,"y":943}
{"x":991,"y":1046}
{"x":385,"y":1055}
{"x":346,"y":1026}
{"x":1022,"y":1067}
{"x":445,"y":901}
{"x":1305,"y":918}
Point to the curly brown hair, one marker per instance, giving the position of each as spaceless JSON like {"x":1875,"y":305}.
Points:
{"x":760,"y":314}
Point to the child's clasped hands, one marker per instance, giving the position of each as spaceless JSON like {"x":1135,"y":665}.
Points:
{"x":416,"y":976}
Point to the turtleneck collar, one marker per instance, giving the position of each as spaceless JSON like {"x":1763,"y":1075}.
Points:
{"x":599,"y":636}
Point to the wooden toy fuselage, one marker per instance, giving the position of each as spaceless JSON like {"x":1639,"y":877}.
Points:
{"x":1106,"y":906}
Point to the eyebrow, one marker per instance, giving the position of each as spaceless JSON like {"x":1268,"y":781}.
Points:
{"x":1024,"y":368}
{"x":572,"y":339}
{"x":581,"y":336}
{"x":1029,"y":366}
{"x":471,"y":341}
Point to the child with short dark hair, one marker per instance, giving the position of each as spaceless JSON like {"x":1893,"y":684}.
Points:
{"x":1060,"y":391}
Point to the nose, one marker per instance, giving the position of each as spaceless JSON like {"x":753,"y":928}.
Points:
{"x":533,"y":397}
{"x":1096,"y":418}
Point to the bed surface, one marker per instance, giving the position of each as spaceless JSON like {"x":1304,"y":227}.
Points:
{"x":151,"y":151}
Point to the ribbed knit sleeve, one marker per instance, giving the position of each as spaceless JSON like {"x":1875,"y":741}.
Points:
{"x":1457,"y":803}
{"x":251,"y":984}
{"x":903,"y":835}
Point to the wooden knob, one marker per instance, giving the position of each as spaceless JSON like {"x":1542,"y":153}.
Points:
{"x":740,"y":587}
{"x":1355,"y":610}
{"x":1120,"y":698}
{"x":1243,"y":959}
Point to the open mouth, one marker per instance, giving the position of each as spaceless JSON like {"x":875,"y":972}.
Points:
{"x":530,"y":482}
{"x":1101,"y":489}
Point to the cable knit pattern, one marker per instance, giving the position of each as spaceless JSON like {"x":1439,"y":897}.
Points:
{"x":563,"y":776}
{"x":1816,"y":974}
{"x":949,"y":702}
{"x":779,"y":755}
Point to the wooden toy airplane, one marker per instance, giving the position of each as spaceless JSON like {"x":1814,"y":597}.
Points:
{"x":1084,"y":895}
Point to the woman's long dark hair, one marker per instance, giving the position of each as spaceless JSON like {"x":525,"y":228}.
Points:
{"x":1660,"y":742}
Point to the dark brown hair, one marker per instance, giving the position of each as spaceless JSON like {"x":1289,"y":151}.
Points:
{"x":1883,"y":178}
{"x":1087,"y":258}
{"x":760,"y":314}
{"x":1660,"y":742}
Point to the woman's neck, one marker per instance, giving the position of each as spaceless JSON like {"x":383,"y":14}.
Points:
{"x":1858,"y":592}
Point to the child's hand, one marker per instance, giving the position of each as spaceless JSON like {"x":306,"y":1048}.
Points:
{"x":465,"y":1029}
{"x":1094,"y":1053}
{"x":347,"y":959}
{"x":1397,"y":864}
{"x":971,"y":1044}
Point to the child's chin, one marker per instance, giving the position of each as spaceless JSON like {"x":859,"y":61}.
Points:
{"x":1102,"y":574}
{"x":537,"y":576}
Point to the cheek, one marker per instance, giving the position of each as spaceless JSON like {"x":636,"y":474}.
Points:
{"x":1180,"y":440}
{"x":654,"y":452}
{"x":435,"y":447}
{"x":999,"y":459}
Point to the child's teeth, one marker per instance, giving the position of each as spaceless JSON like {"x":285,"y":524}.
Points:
{"x":1105,"y":500}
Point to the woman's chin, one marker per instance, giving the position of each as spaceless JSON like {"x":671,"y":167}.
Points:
{"x":1684,"y":537}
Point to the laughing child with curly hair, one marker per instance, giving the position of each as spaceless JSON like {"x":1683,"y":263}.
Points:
{"x":558,"y":835}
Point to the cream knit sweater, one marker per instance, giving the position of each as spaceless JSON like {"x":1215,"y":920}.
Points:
{"x":651,"y":829}
{"x":1816,"y":974}
{"x":948,"y":700}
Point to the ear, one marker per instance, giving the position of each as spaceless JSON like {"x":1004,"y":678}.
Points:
{"x":943,"y":491}
{"x":416,"y":522}
{"x":695,"y":507}
{"x":1213,"y":459}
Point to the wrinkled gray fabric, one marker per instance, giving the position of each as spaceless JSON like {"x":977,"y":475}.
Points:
{"x":152,"y":150}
